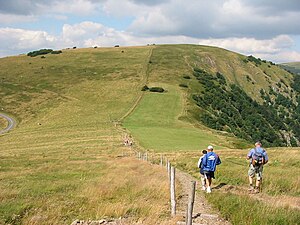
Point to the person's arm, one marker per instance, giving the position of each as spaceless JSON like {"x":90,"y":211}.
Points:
{"x":266,"y":158}
{"x":199,"y":162}
{"x":249,"y":156}
{"x":218,"y":160}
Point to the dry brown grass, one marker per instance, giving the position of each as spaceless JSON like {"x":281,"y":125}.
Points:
{"x":130,"y":188}
{"x":3,"y":123}
{"x":125,"y":188}
{"x":63,"y":160}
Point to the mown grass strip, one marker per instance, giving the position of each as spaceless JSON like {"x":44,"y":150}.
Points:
{"x":156,"y":126}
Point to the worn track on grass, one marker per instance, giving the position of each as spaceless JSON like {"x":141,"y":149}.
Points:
{"x":203,"y":213}
{"x":145,"y":72}
{"x":11,"y":123}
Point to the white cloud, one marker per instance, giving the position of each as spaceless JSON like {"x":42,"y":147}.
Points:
{"x":19,"y":39}
{"x":76,"y":7}
{"x":88,"y":34}
{"x":197,"y":18}
{"x":251,"y":45}
{"x":156,"y":22}
{"x":79,"y":32}
{"x":281,"y":57}
{"x":123,"y":8}
{"x":11,"y":19}
{"x":279,"y":49}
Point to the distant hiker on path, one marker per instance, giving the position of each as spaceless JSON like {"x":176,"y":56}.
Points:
{"x":200,"y":166}
{"x":258,"y":157}
{"x":210,"y":161}
{"x":128,"y":141}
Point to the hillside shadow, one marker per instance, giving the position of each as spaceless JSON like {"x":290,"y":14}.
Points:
{"x":219,"y":186}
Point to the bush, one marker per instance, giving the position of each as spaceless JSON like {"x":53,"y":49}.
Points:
{"x":156,"y":89}
{"x":39,"y":52}
{"x":257,"y":61}
{"x":145,"y":88}
{"x":183,"y":85}
{"x":56,"y":52}
{"x":186,"y":77}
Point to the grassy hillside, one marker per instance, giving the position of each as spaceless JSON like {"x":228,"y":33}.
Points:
{"x":267,"y":88}
{"x":162,"y":122}
{"x":64,"y":160}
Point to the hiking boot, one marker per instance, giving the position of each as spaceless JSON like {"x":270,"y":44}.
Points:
{"x":256,"y":190}
{"x":251,"y":188}
{"x":208,"y":190}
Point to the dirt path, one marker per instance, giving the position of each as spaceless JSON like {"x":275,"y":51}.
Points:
{"x":203,"y":214}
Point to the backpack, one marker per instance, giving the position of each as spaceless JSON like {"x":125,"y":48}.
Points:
{"x":258,"y":157}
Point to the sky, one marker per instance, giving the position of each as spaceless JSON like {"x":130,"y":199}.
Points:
{"x":268,"y":29}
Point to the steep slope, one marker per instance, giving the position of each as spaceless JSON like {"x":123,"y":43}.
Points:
{"x":33,"y":85}
{"x":244,"y":83}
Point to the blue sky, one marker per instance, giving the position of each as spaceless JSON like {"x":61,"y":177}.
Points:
{"x":267,"y":29}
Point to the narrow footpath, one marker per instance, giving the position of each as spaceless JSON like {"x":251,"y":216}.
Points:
{"x":203,"y":213}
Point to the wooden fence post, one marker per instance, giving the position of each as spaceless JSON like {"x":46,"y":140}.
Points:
{"x":189,"y":213}
{"x":172,"y":192}
{"x":169,"y":170}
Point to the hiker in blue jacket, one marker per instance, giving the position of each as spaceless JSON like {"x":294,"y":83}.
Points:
{"x":209,"y":162}
{"x":200,"y":166}
{"x":257,"y":157}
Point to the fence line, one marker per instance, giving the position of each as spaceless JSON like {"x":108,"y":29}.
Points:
{"x":172,"y":192}
{"x":189,"y":212}
{"x":153,"y":159}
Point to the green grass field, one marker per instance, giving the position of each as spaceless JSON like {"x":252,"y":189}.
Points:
{"x":63,"y":160}
{"x":157,"y":126}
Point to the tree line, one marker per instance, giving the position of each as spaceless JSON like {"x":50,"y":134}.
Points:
{"x":227,"y":107}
